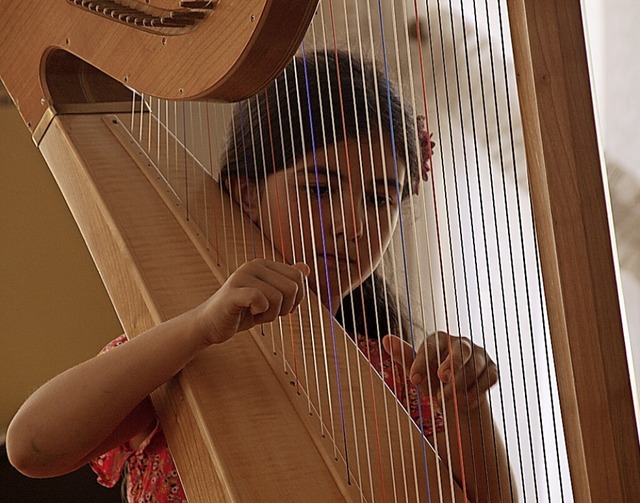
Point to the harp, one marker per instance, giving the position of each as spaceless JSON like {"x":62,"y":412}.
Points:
{"x":154,"y":248}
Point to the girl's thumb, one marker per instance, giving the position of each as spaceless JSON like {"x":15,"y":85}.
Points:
{"x":302,"y":267}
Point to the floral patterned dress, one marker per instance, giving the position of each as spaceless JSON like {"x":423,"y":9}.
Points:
{"x":151,"y":473}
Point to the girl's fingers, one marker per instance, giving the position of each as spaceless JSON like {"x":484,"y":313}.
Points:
{"x":428,"y":359}
{"x":242,"y":306}
{"x":469,"y":397}
{"x":283,"y":284}
{"x":257,"y":292}
{"x":298,"y":272}
{"x":400,"y":351}
{"x":472,"y":380}
{"x":458,"y":356}
{"x":451,"y":363}
{"x":279,"y":303}
{"x":420,"y":368}
{"x":262,"y":302}
{"x":252,"y":299}
{"x":289,"y":279}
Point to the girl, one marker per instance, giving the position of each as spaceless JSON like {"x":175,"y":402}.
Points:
{"x":333,"y":186}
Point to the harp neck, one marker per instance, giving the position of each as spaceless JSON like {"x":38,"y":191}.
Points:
{"x":231,"y":52}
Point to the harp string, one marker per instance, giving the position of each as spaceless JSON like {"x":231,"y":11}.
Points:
{"x":449,"y":236}
{"x":261,"y":215}
{"x":491,"y":179}
{"x":350,"y":281}
{"x":459,"y":205}
{"x":245,"y":175}
{"x":401,"y":226}
{"x":316,"y":170}
{"x":150,"y":125}
{"x":326,"y":266}
{"x":208,"y":143}
{"x":254,"y":156}
{"x":166,"y":138}
{"x":184,"y":144}
{"x":465,"y":155}
{"x":491,"y":169}
{"x":280,"y":235}
{"x":185,"y":141}
{"x":299,"y":107}
{"x":167,"y":141}
{"x":306,"y":202}
{"x":290,"y":218}
{"x":235,"y":192}
{"x":367,"y":232}
{"x":382,"y":267}
{"x":330,"y":429}
{"x":309,"y":205}
{"x":427,"y":240}
{"x":422,"y":79}
{"x":185,"y":156}
{"x":141,"y":116}
{"x":403,"y":242}
{"x":307,"y":302}
{"x":514,"y":163}
{"x":199,"y":195}
{"x":332,"y":202}
{"x":518,"y":330}
{"x":205,"y":127}
{"x":344,"y":217}
{"x":158,"y":114}
{"x":467,"y":190}
{"x":482,"y":211}
{"x":223,"y":206}
{"x":516,"y":343}
{"x":538,"y":276}
{"x":193,"y":167}
{"x":325,"y":149}
{"x":415,"y":217}
{"x":437,"y":207}
{"x":418,"y":259}
{"x":391,"y":251}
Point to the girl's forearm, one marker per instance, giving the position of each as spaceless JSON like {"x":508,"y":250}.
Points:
{"x":77,"y":411}
{"x":487,"y":474}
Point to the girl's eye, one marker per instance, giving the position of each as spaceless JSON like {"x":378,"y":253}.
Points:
{"x":381,"y":200}
{"x":318,"y":189}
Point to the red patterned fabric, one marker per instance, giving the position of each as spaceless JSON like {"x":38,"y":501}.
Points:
{"x":150,"y":470}
{"x":424,"y":412}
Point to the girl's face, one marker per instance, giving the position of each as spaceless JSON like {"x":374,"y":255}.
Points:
{"x":335,"y":211}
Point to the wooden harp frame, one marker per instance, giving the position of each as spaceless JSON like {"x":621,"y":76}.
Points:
{"x":71,"y":109}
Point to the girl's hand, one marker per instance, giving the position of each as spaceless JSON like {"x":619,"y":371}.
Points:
{"x":444,"y":363}
{"x":257,"y":292}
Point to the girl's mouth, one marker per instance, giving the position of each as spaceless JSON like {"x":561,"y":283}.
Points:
{"x":330,"y":258}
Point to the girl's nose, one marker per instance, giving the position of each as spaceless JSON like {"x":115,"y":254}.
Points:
{"x":352,"y":222}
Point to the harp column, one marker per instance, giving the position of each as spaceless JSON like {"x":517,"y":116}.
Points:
{"x":571,"y":211}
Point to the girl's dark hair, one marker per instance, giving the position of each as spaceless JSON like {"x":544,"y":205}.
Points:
{"x":315,"y":93}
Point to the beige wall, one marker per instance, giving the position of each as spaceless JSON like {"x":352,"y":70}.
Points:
{"x":54,"y":311}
